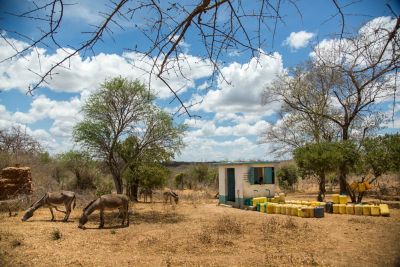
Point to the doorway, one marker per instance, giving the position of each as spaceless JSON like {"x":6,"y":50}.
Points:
{"x":230,"y":172}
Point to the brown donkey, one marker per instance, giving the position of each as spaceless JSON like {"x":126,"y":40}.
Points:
{"x":106,"y":202}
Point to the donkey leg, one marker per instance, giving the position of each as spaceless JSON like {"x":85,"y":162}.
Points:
{"x":127,"y":217}
{"x":67,"y":214}
{"x":52,"y":214}
{"x":127,"y":214}
{"x":101,"y":219}
{"x":123,"y":216}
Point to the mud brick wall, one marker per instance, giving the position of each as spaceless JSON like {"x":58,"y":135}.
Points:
{"x":15,"y":181}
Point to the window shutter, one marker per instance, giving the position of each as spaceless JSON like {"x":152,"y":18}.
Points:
{"x":250,"y":175}
{"x":268,"y":175}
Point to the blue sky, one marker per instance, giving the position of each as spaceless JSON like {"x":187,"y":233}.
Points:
{"x":232,"y":117}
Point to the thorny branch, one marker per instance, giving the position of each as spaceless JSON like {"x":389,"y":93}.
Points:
{"x":221,"y":26}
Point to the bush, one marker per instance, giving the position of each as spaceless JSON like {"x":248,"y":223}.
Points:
{"x":55,"y":234}
{"x":103,"y":188}
{"x":288,"y":176}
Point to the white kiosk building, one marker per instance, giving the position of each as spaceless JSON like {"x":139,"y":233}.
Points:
{"x":241,"y":181}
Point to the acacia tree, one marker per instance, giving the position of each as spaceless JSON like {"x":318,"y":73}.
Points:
{"x":317,"y":159}
{"x":348,"y":76}
{"x":379,"y":155}
{"x":145,"y":150}
{"x":111,"y":113}
{"x":321,"y":158}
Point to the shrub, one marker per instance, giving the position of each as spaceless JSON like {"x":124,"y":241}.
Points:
{"x":55,"y":234}
{"x":288,"y":176}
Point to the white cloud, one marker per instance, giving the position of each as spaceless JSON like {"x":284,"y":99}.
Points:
{"x":79,"y":74}
{"x":348,"y":52}
{"x":63,"y":114}
{"x":207,"y":149}
{"x":299,"y":39}
{"x":242,"y":88}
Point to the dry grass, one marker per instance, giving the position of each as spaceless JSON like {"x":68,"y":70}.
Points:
{"x":205,"y":235}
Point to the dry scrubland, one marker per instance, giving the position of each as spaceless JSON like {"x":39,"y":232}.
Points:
{"x":200,"y":234}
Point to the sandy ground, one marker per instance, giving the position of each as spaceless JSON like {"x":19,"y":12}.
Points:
{"x":201,"y":235}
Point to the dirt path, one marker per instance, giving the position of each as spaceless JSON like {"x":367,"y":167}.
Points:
{"x":201,"y":235}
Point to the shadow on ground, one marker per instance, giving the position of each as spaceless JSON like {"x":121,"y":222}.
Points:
{"x":156,"y":217}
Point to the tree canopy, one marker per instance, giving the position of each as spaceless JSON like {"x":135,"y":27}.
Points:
{"x":123,"y":111}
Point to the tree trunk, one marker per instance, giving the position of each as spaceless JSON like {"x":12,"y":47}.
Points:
{"x":343,"y":167}
{"x":78,"y":178}
{"x":360,"y":197}
{"x":117,"y":182}
{"x":343,"y":179}
{"x":132,"y":190}
{"x":322,"y":191}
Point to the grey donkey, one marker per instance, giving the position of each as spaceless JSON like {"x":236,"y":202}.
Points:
{"x":52,"y":200}
{"x":106,"y":202}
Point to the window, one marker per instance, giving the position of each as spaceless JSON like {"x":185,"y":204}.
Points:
{"x":260,"y":175}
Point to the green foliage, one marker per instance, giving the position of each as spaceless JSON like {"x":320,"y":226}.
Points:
{"x":392,"y":143}
{"x":288,"y":176}
{"x":44,"y":157}
{"x":179,"y":180}
{"x":380,"y":155}
{"x":117,"y":109}
{"x":150,"y":175}
{"x":103,"y":187}
{"x":321,"y":158}
{"x":145,"y":154}
{"x":83,"y":167}
{"x":201,"y":174}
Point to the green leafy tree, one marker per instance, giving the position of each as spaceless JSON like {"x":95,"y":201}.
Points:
{"x":321,"y":158}
{"x":145,"y":152}
{"x":288,"y":176}
{"x":110,"y":114}
{"x":379,"y":155}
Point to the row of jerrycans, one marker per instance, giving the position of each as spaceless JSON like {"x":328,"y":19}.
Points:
{"x":293,"y":210}
{"x":366,"y":210}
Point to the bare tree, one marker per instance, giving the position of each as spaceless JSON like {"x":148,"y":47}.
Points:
{"x":16,"y":140}
{"x":348,"y":76}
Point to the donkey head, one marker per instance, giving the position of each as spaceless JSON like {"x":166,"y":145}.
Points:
{"x":83,"y":220}
{"x":176,"y":198}
{"x":27,"y":215}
